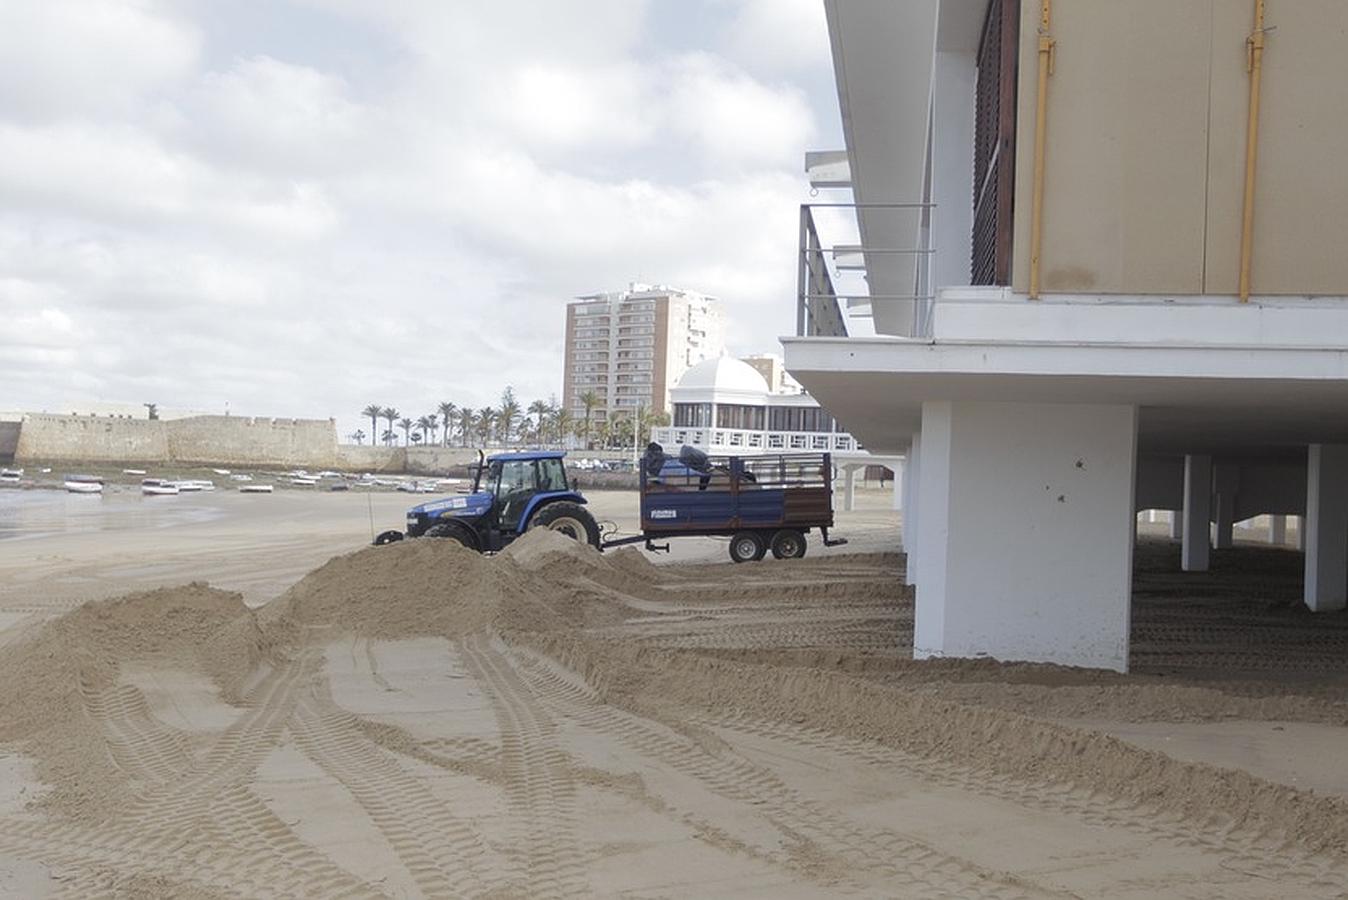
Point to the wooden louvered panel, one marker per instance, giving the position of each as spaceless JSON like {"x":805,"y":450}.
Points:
{"x":995,"y":144}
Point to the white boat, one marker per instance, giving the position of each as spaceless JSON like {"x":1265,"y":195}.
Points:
{"x":303,"y":481}
{"x":195,"y":484}
{"x":11,"y":476}
{"x":328,"y":473}
{"x":159,"y":487}
{"x":220,"y":471}
{"x":255,"y":489}
{"x":84,"y":484}
{"x":133,"y":471}
{"x":241,"y":478}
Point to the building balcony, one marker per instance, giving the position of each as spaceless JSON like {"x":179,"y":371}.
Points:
{"x":750,"y":441}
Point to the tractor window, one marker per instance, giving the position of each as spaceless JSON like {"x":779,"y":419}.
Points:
{"x":517,"y":476}
{"x":551,"y":475}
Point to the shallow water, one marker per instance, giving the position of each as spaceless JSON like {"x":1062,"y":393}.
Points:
{"x":26,"y":514}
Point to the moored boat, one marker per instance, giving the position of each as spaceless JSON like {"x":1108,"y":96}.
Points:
{"x":159,"y":487}
{"x":84,"y":484}
{"x":255,"y":489}
{"x":11,"y":476}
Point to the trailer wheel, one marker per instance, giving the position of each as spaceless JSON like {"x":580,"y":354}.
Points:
{"x":747,"y":546}
{"x":570,"y":519}
{"x":454,"y":531}
{"x":788,"y":544}
{"x":387,"y":537}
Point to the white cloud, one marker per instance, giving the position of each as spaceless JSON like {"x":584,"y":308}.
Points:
{"x":87,"y":57}
{"x":778,"y":35}
{"x":303,"y":237}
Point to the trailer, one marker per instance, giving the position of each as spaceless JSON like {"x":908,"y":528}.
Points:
{"x":762,"y":503}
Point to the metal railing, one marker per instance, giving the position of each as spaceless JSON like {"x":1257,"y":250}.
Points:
{"x":820,"y":306}
{"x":749,"y":441}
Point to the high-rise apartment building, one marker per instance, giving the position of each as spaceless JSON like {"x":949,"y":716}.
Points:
{"x":630,"y":347}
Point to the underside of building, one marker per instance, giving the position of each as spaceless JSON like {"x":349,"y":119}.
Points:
{"x":1098,"y":245}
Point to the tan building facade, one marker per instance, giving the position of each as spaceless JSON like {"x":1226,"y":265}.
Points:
{"x":630,"y":347}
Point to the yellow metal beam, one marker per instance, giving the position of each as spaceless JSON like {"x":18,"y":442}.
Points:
{"x":1046,"y":53}
{"x":1254,"y":45}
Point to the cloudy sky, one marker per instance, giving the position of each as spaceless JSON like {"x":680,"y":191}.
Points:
{"x":298,"y":208}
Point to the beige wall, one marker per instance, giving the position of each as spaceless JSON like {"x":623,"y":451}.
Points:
{"x":1145,"y":147}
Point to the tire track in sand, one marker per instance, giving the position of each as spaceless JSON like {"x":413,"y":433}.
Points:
{"x":539,"y":785}
{"x":444,"y":854}
{"x":1243,"y":851}
{"x":904,"y":864}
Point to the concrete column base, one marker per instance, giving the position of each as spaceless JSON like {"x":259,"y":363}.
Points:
{"x":1326,"y":586}
{"x":1027,"y":525}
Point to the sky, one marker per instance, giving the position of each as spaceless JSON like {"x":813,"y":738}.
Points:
{"x":301,"y":207}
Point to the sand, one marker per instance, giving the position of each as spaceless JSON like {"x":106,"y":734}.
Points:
{"x":418,"y":720}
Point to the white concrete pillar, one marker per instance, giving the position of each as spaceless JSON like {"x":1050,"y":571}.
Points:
{"x":1277,"y":530}
{"x":898,"y":469}
{"x":1027,"y":525}
{"x":912,"y":506}
{"x":1326,"y":586}
{"x":1196,"y":552}
{"x":1176,"y":525}
{"x":849,"y":488}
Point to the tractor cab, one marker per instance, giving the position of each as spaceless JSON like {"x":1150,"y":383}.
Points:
{"x":512,"y":492}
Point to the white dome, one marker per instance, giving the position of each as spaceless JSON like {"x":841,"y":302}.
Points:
{"x":725,"y":374}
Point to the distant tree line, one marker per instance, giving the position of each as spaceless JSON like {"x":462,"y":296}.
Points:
{"x":543,"y":423}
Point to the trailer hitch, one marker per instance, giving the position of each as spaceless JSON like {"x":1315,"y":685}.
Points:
{"x":657,"y":548}
{"x":835,"y":542}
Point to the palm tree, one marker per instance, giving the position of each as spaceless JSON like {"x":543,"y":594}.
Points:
{"x":357,"y":436}
{"x":467,"y":422}
{"x":374,"y":411}
{"x":387,"y":437}
{"x":406,"y":426}
{"x":447,"y":410}
{"x":425,"y":424}
{"x":486,"y":417}
{"x":563,"y":423}
{"x":542,"y":409}
{"x":508,"y":413}
{"x":391,"y":415}
{"x":590,"y":399}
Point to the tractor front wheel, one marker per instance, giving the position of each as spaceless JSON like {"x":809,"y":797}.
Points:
{"x":454,"y":531}
{"x":571,"y":519}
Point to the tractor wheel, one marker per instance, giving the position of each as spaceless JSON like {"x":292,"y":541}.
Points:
{"x":387,"y":537}
{"x":788,"y":544}
{"x":747,"y":546}
{"x":571,"y":519}
{"x":454,"y":531}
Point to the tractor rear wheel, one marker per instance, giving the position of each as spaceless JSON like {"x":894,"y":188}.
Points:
{"x":571,"y":519}
{"x":455,"y":531}
{"x":788,"y":544}
{"x":747,"y":546}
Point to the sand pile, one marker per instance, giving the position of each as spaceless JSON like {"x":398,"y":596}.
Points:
{"x":57,"y":680}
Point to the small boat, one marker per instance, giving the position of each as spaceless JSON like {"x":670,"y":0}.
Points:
{"x":84,"y":484}
{"x":133,"y":471}
{"x":11,"y":476}
{"x":303,"y":481}
{"x":46,"y":471}
{"x":159,"y":487}
{"x":339,"y":487}
{"x":241,"y":478}
{"x":328,"y":473}
{"x":195,"y":484}
{"x":255,"y":489}
{"x":220,"y":471}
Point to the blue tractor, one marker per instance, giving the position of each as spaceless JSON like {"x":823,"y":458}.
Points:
{"x":512,"y":492}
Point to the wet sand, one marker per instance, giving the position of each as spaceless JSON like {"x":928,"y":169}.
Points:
{"x":418,"y":721}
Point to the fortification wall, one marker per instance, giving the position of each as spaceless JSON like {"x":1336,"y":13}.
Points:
{"x":409,"y":460}
{"x":216,"y":440}
{"x":244,"y":441}
{"x":47,"y":437}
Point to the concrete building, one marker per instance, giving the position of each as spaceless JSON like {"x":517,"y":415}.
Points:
{"x":1102,"y":250}
{"x":725,"y":407}
{"x":773,"y":369}
{"x":631,"y":346}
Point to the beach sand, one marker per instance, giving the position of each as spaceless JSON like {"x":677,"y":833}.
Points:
{"x":281,"y":711}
